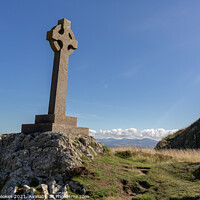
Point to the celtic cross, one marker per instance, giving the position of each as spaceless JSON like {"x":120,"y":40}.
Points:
{"x":63,"y":43}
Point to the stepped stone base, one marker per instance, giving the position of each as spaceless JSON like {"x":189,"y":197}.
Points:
{"x":33,"y":128}
{"x":54,"y":123}
{"x":52,"y":118}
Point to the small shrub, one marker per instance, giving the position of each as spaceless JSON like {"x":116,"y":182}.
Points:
{"x":81,"y":171}
{"x":124,"y":154}
{"x":106,"y":150}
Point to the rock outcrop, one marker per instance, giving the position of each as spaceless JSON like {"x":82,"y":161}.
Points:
{"x":43,"y":163}
{"x":182,"y":139}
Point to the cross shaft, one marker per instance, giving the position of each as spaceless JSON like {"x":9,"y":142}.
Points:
{"x":63,"y":43}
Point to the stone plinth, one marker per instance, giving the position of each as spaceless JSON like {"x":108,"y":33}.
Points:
{"x":53,"y":118}
{"x":52,"y":122}
{"x":54,"y":127}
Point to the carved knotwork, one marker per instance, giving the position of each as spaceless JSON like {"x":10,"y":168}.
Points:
{"x":62,"y":38}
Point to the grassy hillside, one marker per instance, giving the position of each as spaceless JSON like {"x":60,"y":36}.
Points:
{"x":183,"y":139}
{"x":132,"y":173}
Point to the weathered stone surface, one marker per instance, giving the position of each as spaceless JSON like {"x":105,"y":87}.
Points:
{"x":63,"y":43}
{"x":44,"y":161}
{"x":54,"y":127}
{"x":52,"y":118}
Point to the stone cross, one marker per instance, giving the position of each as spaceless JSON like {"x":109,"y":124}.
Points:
{"x":63,"y":43}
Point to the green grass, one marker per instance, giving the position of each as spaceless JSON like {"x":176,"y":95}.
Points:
{"x":138,"y":176}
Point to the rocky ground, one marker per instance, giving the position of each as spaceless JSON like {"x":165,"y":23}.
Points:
{"x":43,"y":163}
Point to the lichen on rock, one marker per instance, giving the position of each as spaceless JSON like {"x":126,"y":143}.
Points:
{"x":42,"y":163}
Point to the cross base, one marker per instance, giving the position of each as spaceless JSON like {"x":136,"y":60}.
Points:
{"x":55,"y":118}
{"x":55,"y":123}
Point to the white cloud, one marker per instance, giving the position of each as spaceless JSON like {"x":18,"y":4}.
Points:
{"x":132,"y":133}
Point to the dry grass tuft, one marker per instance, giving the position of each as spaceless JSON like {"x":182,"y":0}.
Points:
{"x":188,"y":155}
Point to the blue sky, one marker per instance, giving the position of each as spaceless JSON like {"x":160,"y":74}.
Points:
{"x":137,"y":64}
